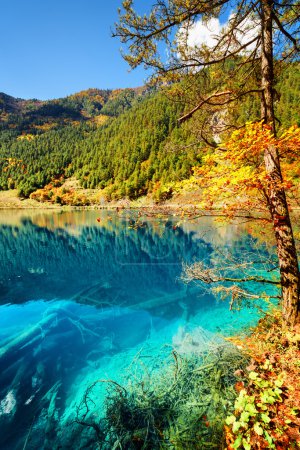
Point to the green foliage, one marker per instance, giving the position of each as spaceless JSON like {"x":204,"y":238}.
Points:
{"x":120,"y":102}
{"x":288,"y":87}
{"x":129,"y":154}
{"x":253,"y":418}
{"x":139,"y":149}
{"x":31,"y":164}
{"x":35,"y":116}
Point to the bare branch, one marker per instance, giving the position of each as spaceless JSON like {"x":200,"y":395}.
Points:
{"x":199,"y":272}
{"x":203,"y":102}
{"x":218,"y":94}
{"x":286,"y":33}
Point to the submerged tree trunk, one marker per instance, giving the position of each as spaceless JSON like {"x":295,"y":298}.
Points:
{"x":286,"y":248}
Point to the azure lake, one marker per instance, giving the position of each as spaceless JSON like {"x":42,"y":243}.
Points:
{"x":89,"y":295}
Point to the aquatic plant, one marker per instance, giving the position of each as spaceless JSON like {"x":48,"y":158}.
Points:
{"x":181,"y":405}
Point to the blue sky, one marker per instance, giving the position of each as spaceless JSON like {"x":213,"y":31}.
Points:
{"x":52,"y":48}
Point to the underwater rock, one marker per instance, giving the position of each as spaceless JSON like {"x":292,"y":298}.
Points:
{"x":8,"y":404}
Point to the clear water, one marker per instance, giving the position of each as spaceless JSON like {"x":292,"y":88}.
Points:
{"x":81,"y":294}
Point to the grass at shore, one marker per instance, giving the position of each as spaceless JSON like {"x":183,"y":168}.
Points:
{"x":10,"y":199}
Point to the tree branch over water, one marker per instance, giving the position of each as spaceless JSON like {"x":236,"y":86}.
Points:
{"x":200,"y":272}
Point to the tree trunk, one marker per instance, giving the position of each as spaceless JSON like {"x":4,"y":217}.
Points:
{"x":286,"y":249}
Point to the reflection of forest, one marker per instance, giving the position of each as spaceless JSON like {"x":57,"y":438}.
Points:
{"x":104,"y":264}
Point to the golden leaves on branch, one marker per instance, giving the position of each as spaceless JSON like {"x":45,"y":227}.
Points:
{"x":233,"y":177}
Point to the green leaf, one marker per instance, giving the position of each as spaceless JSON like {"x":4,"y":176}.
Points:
{"x":245,"y":416}
{"x":268,"y":437}
{"x":251,"y":409}
{"x":294,"y":411}
{"x":230,"y":420}
{"x":262,"y":406}
{"x":237,"y":442}
{"x":278,"y":391}
{"x":265,"y":418}
{"x":278,"y":382}
{"x":235,"y":427}
{"x":244,"y":424}
{"x":263,"y":383}
{"x":269,"y":440}
{"x":246,"y":445}
{"x":241,"y":401}
{"x":253,"y":375}
{"x":267,"y":398}
{"x":258,"y":429}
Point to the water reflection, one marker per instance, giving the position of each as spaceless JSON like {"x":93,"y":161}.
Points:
{"x":97,"y":263}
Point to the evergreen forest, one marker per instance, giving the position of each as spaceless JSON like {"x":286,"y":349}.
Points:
{"x":127,"y":143}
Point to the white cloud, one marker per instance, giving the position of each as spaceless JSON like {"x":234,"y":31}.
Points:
{"x":204,"y":33}
{"x":247,"y":30}
{"x":208,"y":34}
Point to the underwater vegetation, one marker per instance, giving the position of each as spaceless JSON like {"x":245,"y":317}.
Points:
{"x":181,"y":406}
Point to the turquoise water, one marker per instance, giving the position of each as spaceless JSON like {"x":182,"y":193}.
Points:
{"x":83,"y":293}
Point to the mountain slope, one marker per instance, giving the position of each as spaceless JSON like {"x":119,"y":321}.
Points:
{"x":126,"y":142}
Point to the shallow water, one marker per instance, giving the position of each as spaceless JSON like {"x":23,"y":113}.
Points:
{"x":82,"y":293}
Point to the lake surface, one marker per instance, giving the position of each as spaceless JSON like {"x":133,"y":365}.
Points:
{"x":83,"y":293}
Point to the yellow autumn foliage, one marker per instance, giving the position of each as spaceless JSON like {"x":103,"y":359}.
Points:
{"x":234,"y":176}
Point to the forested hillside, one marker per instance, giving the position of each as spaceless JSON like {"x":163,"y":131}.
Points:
{"x":126,"y":142}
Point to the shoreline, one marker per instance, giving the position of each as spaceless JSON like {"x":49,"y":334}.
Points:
{"x":180,"y":204}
